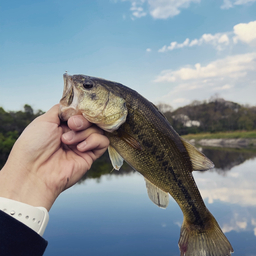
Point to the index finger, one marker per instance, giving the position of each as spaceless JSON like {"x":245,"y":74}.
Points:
{"x":51,"y":115}
{"x":78,"y":123}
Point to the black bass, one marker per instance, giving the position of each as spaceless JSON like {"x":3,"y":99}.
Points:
{"x":143,"y":137}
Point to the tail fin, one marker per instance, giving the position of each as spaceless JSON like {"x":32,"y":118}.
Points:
{"x":208,"y":242}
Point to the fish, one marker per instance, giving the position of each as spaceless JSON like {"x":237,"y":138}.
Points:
{"x":141,"y":135}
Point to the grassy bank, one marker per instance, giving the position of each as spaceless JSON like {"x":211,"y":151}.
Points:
{"x":222,"y":135}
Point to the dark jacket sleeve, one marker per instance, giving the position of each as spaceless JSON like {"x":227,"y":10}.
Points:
{"x":16,"y":239}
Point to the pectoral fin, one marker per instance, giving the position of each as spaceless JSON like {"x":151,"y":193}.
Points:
{"x":199,"y":161}
{"x":129,"y":140}
{"x":156,"y":195}
{"x":116,"y":159}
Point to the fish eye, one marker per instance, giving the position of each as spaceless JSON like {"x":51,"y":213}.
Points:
{"x":88,"y":84}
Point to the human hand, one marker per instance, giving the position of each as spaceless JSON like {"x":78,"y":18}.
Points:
{"x":49,"y":157}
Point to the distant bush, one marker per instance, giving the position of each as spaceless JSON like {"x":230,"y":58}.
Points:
{"x":11,"y":126}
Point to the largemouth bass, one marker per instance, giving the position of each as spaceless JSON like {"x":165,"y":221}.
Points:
{"x":142,"y":136}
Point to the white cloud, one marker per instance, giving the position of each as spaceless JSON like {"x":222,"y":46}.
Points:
{"x":224,"y":39}
{"x":227,"y":4}
{"x":240,"y":2}
{"x":148,"y":50}
{"x":137,"y":10}
{"x":163,"y":49}
{"x":226,"y":76}
{"x":194,"y":42}
{"x":163,"y":9}
{"x":219,"y":41}
{"x":159,"y":9}
{"x":174,"y":45}
{"x":231,"y":66}
{"x":245,"y":32}
{"x":185,"y":43}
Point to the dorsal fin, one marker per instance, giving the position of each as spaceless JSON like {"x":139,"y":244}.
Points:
{"x":199,"y":161}
{"x":115,"y":158}
{"x":156,"y":195}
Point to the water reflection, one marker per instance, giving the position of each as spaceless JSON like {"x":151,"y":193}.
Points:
{"x":109,"y":213}
{"x":227,"y":158}
{"x":237,"y":191}
{"x":224,"y":160}
{"x":103,"y":166}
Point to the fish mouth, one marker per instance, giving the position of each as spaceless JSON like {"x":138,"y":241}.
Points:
{"x":68,"y":92}
{"x":69,"y":100}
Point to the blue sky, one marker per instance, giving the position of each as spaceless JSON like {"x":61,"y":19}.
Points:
{"x":170,"y":51}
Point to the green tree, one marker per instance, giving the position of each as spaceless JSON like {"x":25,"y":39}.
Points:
{"x":12,"y":124}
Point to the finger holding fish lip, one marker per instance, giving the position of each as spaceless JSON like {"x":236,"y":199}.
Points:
{"x":93,"y":145}
{"x":78,"y":137}
{"x":91,"y":148}
{"x":96,"y":144}
{"x":78,"y":123}
{"x":80,"y":130}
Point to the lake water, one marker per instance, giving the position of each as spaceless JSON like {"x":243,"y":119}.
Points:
{"x":112,"y":214}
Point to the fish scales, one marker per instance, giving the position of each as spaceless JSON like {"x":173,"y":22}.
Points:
{"x":157,"y":161}
{"x":143,"y":137}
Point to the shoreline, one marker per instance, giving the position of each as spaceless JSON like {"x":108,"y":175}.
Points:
{"x":225,"y":143}
{"x":231,"y":139}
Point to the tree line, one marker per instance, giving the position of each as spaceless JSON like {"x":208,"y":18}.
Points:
{"x":212,"y":116}
{"x":12,"y":123}
{"x":215,"y":115}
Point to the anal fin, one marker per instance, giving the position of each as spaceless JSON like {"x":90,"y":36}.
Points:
{"x":156,"y":195}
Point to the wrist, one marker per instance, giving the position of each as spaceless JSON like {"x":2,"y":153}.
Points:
{"x":24,"y":188}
